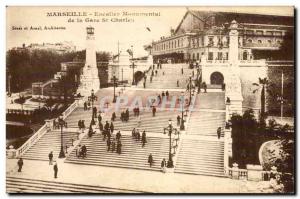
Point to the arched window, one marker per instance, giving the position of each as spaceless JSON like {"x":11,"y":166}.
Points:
{"x":249,"y":40}
{"x":259,"y":41}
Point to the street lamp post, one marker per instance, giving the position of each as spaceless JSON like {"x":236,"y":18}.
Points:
{"x":170,"y":130}
{"x":114,"y":99}
{"x":61,"y":123}
{"x":133,"y":66}
{"x":190,"y":87}
{"x":92,"y":98}
{"x":182,"y":110}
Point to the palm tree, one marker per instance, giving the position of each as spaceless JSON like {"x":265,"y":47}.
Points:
{"x":262,"y":83}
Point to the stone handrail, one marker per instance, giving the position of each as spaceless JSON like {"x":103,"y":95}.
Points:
{"x":45,"y":128}
{"x":70,"y":109}
{"x":32,"y":140}
{"x":238,"y":173}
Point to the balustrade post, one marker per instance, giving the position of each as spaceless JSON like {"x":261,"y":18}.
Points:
{"x":235,"y":171}
{"x":11,"y":152}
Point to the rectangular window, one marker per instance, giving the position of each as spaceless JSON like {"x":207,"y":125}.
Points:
{"x":269,"y":33}
{"x":277,"y":33}
{"x":210,"y":55}
{"x":259,"y":32}
{"x":198,"y":56}
{"x":249,"y":32}
{"x":220,"y":55}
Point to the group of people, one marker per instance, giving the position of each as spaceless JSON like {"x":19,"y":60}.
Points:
{"x":81,"y":125}
{"x":162,"y":96}
{"x":136,"y":111}
{"x":124,"y":116}
{"x":81,"y":151}
{"x":111,"y":145}
{"x":137,"y":136}
{"x":86,"y":106}
{"x":56,"y":124}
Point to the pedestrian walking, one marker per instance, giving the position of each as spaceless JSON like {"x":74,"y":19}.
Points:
{"x":55,"y":168}
{"x":85,"y":106}
{"x":144,"y":141}
{"x":119,"y":147}
{"x":79,"y":124}
{"x":167,"y":94}
{"x":118,"y":136}
{"x":150,"y":160}
{"x":178,"y":120}
{"x":112,"y":127}
{"x":99,"y":118}
{"x":163,"y":165}
{"x":204,"y":87}
{"x":108,"y":144}
{"x":50,"y":158}
{"x":177,"y":83}
{"x":219,"y":132}
{"x":153,"y":111}
{"x":94,"y":112}
{"x":113,"y":145}
{"x":83,"y":151}
{"x":138,"y":135}
{"x":20,"y":164}
{"x":113,"y":117}
{"x":133,"y":133}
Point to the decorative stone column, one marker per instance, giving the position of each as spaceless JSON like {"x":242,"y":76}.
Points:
{"x":233,"y":87}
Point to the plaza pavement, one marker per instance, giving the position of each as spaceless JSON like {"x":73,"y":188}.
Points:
{"x":140,"y":180}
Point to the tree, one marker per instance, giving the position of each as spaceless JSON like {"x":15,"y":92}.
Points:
{"x":262,"y":83}
{"x":22,"y":101}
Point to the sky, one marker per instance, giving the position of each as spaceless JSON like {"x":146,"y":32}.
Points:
{"x":107,"y":33}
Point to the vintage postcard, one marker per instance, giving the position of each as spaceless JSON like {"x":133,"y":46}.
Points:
{"x":150,"y":100}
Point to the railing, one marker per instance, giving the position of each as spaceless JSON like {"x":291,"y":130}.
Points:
{"x":32,"y":140}
{"x":220,"y":61}
{"x":242,"y":173}
{"x":252,"y":61}
{"x":69,"y":110}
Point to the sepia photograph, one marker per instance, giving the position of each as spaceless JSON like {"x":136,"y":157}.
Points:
{"x":150,"y":100}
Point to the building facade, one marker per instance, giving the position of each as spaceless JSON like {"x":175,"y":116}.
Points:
{"x":207,"y":33}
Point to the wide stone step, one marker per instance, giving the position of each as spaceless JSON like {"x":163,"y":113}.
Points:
{"x":200,"y":172}
{"x":58,"y":187}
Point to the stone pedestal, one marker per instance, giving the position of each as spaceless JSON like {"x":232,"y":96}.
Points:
{"x":254,"y":172}
{"x":11,"y":152}
{"x":235,"y":171}
{"x":49,"y":124}
{"x":89,"y":78}
{"x":236,"y":105}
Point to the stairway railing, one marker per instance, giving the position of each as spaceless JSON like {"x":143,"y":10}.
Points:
{"x":45,"y":128}
{"x":32,"y":140}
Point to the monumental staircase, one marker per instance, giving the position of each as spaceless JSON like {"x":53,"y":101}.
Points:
{"x":167,"y":77}
{"x":201,"y":152}
{"x":50,"y":141}
{"x":133,"y":155}
{"x":148,"y":122}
